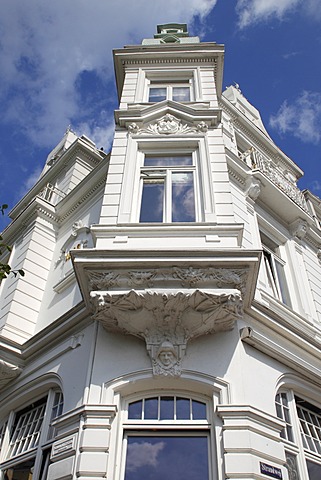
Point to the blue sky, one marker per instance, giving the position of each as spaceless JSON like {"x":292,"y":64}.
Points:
{"x":56,"y":70}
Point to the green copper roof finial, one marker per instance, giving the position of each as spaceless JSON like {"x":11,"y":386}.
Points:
{"x":171,"y":33}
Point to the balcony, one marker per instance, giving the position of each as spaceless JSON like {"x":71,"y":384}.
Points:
{"x":257,"y":161}
{"x":51,"y":194}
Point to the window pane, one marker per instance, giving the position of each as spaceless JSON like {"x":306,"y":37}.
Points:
{"x":151,"y":409}
{"x":161,"y":457}
{"x":183,"y":409}
{"x":152,"y":201}
{"x":282,"y":283}
{"x":181,"y":94}
{"x":135,"y":410}
{"x":314,"y":470}
{"x":22,"y":471}
{"x":175,"y":161}
{"x":199,"y":410}
{"x":157,"y":94}
{"x":167,"y":408}
{"x":291,"y":465}
{"x":183,"y":201}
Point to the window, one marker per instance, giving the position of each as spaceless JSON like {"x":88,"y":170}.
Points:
{"x":275,"y":279}
{"x":176,"y":92}
{"x":301,"y":435}
{"x":166,"y":436}
{"x":168,"y":189}
{"x":27,"y":438}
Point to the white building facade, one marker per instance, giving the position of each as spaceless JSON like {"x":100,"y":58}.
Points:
{"x":169,"y":320}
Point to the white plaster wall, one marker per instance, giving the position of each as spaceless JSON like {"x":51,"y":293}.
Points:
{"x":56,"y":303}
{"x":21,"y":297}
{"x":221,"y":185}
{"x":207,"y":85}
{"x":313,"y":270}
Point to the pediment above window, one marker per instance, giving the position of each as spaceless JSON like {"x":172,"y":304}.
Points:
{"x":167,"y":125}
{"x":190,"y":116}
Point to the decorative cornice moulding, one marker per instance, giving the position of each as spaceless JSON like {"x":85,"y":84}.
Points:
{"x":167,"y":125}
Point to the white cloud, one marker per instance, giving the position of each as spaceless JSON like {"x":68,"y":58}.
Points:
{"x":143,"y":454}
{"x":302,"y":118}
{"x":253,"y":11}
{"x":46,"y":46}
{"x":32,"y":178}
{"x":315,"y":187}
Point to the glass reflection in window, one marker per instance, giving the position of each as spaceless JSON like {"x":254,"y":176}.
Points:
{"x":180,"y":457}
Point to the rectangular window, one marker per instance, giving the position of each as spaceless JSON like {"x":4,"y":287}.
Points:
{"x":161,"y":456}
{"x":167,"y":436}
{"x":274,"y":270}
{"x":179,"y":92}
{"x":168,"y":189}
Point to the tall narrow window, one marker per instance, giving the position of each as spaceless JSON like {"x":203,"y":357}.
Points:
{"x":275,"y":271}
{"x":168,"y":189}
{"x":167,"y":436}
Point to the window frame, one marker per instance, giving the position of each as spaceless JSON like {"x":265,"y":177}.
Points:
{"x":165,"y":173}
{"x":129,"y":209}
{"x":169,"y":427}
{"x":274,"y":267}
{"x":295,"y":447}
{"x":169,"y":86}
{"x":40,"y":453}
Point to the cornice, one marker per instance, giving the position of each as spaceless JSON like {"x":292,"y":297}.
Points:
{"x":84,"y":198}
{"x":264,"y":143}
{"x":297,"y":358}
{"x":38,"y":208}
{"x":172,"y":59}
{"x":193,"y":112}
{"x":93,"y":156}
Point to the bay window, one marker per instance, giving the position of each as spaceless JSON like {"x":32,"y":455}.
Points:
{"x":168,"y":188}
{"x":166,"y":434}
{"x":301,"y":435}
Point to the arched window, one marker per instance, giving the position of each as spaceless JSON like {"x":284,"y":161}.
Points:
{"x":27,"y":436}
{"x":167,"y":436}
{"x":301,"y":435}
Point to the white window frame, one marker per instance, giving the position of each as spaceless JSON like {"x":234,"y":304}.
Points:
{"x":165,"y":173}
{"x":40,"y":452}
{"x":172,"y":427}
{"x":295,"y":446}
{"x":184,"y":76}
{"x":129,"y":210}
{"x":169,"y":86}
{"x":274,"y":285}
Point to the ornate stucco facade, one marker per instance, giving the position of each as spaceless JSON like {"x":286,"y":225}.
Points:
{"x":169,"y":319}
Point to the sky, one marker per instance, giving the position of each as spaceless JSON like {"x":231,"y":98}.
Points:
{"x":56,"y":71}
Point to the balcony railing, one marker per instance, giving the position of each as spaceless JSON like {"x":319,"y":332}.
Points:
{"x":52,"y":194}
{"x":256,"y":161}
